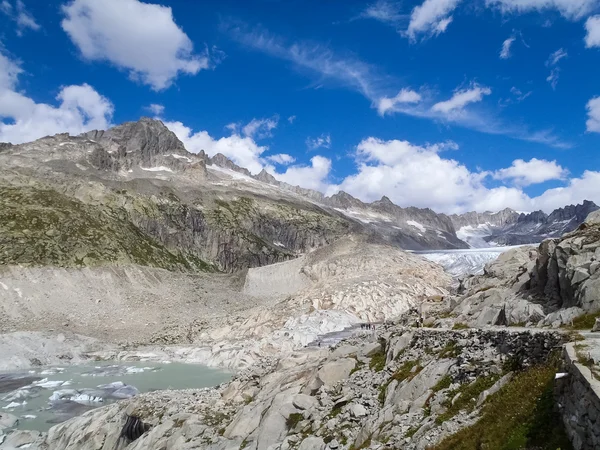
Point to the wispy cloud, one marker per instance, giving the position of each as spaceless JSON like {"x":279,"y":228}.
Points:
{"x":323,"y":141}
{"x":324,"y":66}
{"x":385,"y":11}
{"x":552,"y":62}
{"x":506,"y":46}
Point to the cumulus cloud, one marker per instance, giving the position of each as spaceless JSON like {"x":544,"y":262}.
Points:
{"x":155,"y":109}
{"x":592,"y":26}
{"x":534,"y":171}
{"x":506,"y":46}
{"x":323,"y":141}
{"x":593,"y":110}
{"x":462,"y":98}
{"x":387,"y":104}
{"x":80,"y":108}
{"x":570,"y":9}
{"x":282,"y":159}
{"x":313,"y":176}
{"x":141,"y":38}
{"x":432,"y":17}
{"x":413,"y":175}
{"x":24,"y":20}
{"x":242,"y":150}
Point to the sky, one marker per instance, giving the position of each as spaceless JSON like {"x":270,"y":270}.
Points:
{"x":454,"y":105}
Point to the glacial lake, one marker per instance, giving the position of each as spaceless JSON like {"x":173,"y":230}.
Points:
{"x":43,"y":397}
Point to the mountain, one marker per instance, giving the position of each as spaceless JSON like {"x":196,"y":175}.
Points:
{"x":509,"y":227}
{"x":134,"y":195}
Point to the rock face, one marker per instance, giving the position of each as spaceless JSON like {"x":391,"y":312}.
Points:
{"x":285,"y":404}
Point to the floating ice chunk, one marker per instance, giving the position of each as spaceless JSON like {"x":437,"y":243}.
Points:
{"x":114,"y":385}
{"x":45,"y":383}
{"x":28,"y":416}
{"x":19,"y":394}
{"x":63,"y":394}
{"x":14,"y":405}
{"x":84,"y":399}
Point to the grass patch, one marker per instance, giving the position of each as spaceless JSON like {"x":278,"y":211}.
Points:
{"x":407,"y":371}
{"x":585,"y":322}
{"x":450,"y":350}
{"x":460,"y":326}
{"x":520,"y":415}
{"x":293,"y":420}
{"x":574,"y":336}
{"x":443,"y":383}
{"x":411,"y":431}
{"x":359,"y":365}
{"x":377,"y":362}
{"x":468,"y":397}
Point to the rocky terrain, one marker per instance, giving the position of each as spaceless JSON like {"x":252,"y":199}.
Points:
{"x":119,"y":245}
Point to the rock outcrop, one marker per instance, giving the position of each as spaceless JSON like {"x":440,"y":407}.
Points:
{"x":547,"y":286}
{"x":401,"y":393}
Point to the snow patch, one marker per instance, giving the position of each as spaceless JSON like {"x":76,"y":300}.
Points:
{"x":232,"y":173}
{"x":364,"y":216}
{"x":181,"y":157}
{"x":417,"y":225}
{"x":156,"y":169}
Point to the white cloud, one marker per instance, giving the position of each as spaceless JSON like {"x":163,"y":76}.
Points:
{"x":155,"y":109}
{"x":462,"y":98}
{"x":313,"y":176}
{"x":592,"y":26}
{"x":555,"y":57}
{"x":245,"y":152}
{"x":22,"y":17}
{"x":553,"y":77}
{"x":291,"y":119}
{"x":141,"y":38}
{"x":593,"y":110}
{"x":519,"y":95}
{"x":318,"y":61}
{"x":412,"y":175}
{"x":432,"y":17}
{"x":261,"y":128}
{"x":570,"y":9}
{"x":506,"y":46}
{"x":534,"y":171}
{"x":282,"y":159}
{"x":323,"y":141}
{"x":387,"y":104}
{"x":384,"y":11}
{"x":80,"y":108}
{"x":325,"y":66}
{"x":242,"y":150}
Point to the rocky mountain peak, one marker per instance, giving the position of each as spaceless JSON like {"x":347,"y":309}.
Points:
{"x":344,"y":200}
{"x":578,"y":212}
{"x":147,"y":139}
{"x":220,"y":160}
{"x":266,"y":177}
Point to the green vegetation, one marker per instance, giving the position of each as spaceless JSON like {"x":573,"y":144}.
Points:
{"x":467,"y":399}
{"x":44,"y":227}
{"x":359,"y":365}
{"x":521,"y":415}
{"x":443,"y":383}
{"x":293,"y":420}
{"x":411,"y":432}
{"x":377,"y":362}
{"x":407,"y":371}
{"x":460,"y":326}
{"x":585,"y":322}
{"x":450,"y":350}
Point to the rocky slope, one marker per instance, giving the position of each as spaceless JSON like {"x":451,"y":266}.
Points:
{"x":546,"y":286}
{"x":406,"y":388}
{"x":509,"y":227}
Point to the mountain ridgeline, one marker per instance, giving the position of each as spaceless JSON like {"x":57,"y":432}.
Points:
{"x":134,"y":195}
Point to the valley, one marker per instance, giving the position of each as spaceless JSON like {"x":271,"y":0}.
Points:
{"x":309,"y":322}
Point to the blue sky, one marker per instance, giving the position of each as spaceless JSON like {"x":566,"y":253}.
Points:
{"x":449,"y":104}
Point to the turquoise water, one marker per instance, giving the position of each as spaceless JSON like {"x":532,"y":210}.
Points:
{"x":67,"y":391}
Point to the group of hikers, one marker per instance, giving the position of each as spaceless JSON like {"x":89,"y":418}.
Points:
{"x":367,"y":326}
